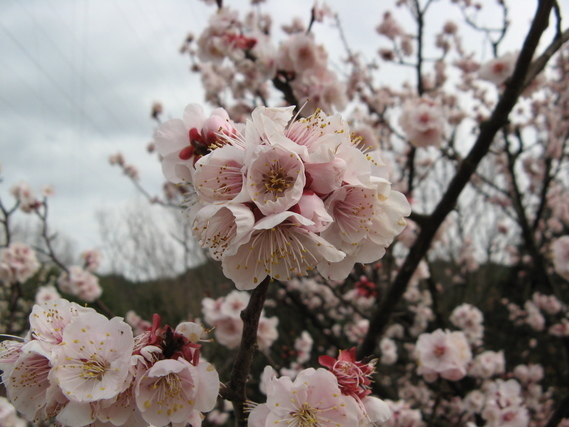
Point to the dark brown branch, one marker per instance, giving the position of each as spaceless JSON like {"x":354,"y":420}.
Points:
{"x":539,"y":64}
{"x":16,"y":289}
{"x":488,"y":131}
{"x":236,"y":388}
{"x":539,"y":268}
{"x":561,"y":412}
{"x":286,"y":89}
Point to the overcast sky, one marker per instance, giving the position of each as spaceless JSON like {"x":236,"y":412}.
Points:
{"x":78,"y":78}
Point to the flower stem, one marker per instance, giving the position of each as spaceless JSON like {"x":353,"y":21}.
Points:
{"x":236,"y":389}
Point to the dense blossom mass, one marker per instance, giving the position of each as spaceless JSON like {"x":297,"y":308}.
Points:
{"x":280,"y":196}
{"x":81,"y":368}
{"x":462,"y":307}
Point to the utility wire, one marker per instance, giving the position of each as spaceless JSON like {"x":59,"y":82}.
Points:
{"x":52,"y":80}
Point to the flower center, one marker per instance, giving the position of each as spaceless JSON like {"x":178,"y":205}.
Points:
{"x":499,"y":67}
{"x":170,"y":385}
{"x":94,"y":368}
{"x":276,"y":181}
{"x":439,"y":350}
{"x":304,"y":417}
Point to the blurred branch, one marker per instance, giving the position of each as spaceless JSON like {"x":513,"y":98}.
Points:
{"x":539,"y":269}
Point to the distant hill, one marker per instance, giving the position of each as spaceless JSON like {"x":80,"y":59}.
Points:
{"x":175,"y":299}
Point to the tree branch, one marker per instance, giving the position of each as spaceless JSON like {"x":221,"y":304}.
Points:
{"x":488,"y":131}
{"x":236,"y":388}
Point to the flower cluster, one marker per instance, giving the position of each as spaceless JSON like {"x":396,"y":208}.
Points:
{"x":338,"y":396}
{"x":18,"y":263}
{"x":78,"y":367}
{"x":27,"y":201}
{"x":470,"y":320}
{"x":500,"y":404}
{"x":278,"y":197}
{"x":224,"y":315}
{"x":306,"y":64}
{"x":81,"y":283}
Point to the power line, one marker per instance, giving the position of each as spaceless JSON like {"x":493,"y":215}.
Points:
{"x":86,"y":84}
{"x":52,"y":80}
{"x":93,"y":65}
{"x":141,"y":42}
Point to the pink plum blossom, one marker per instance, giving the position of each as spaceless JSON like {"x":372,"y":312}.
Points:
{"x":470,"y":320}
{"x":487,"y":364}
{"x":224,"y":314}
{"x":498,"y":70}
{"x":561,"y":256}
{"x":8,"y":415}
{"x":81,"y":283}
{"x":504,"y":405}
{"x":423,"y":122}
{"x":312,"y":398}
{"x":403,"y":415}
{"x":18,"y":263}
{"x":25,"y":197}
{"x":181,"y":142}
{"x":442,"y":353}
{"x":173,"y":388}
{"x":277,"y":246}
{"x":92,"y":259}
{"x":46,"y":293}
{"x":92,"y":362}
{"x":354,"y":377}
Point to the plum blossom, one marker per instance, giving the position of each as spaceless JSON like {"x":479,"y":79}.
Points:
{"x":80,"y":282}
{"x":470,"y":320}
{"x":18,"y":263}
{"x":224,"y":315}
{"x":504,"y":405}
{"x":388,"y":351}
{"x":181,"y":142}
{"x":92,"y":259}
{"x":498,"y":70}
{"x":92,"y":361}
{"x":442,"y":353}
{"x":172,"y":389}
{"x":25,"y":197}
{"x":561,"y":256}
{"x":46,"y":293}
{"x":313,"y":83}
{"x":423,"y":122}
{"x":313,"y":398}
{"x":389,"y":27}
{"x":487,"y":364}
{"x":81,"y":368}
{"x":403,"y":415}
{"x":303,"y":347}
{"x":353,"y":376}
{"x":548,"y":303}
{"x":279,"y":198}
{"x":529,"y":373}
